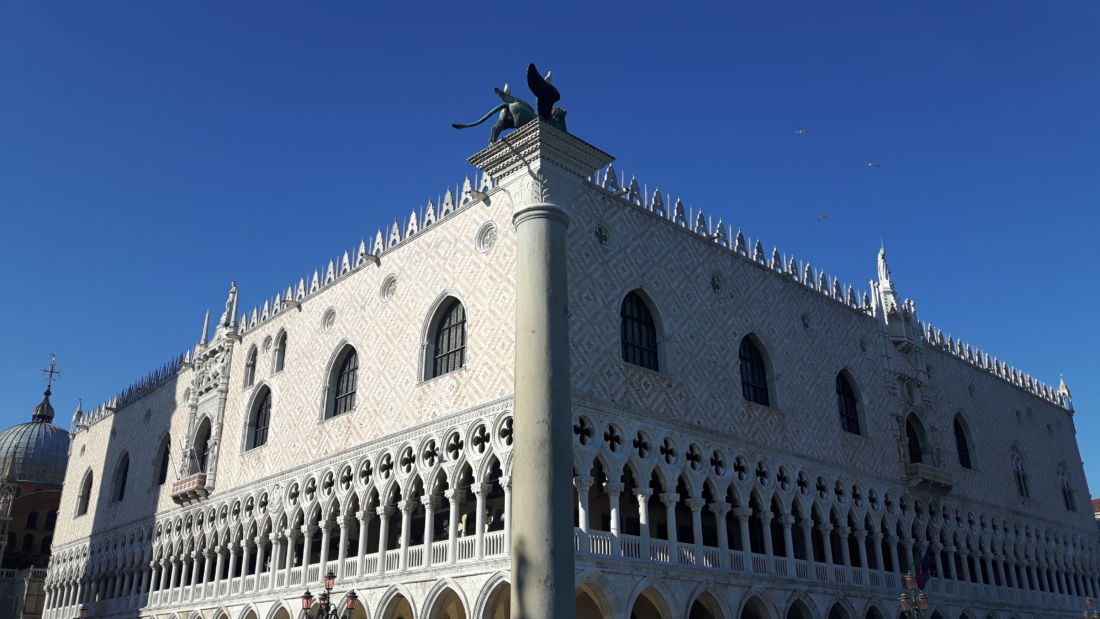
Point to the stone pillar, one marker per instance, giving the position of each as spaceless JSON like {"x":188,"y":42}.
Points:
{"x":481,"y":492}
{"x":364,"y":521}
{"x":766,"y":533}
{"x":278,"y":548}
{"x":246,"y":553}
{"x":406,"y":506}
{"x":936,"y":550}
{"x":787,"y":521}
{"x":537,"y":166}
{"x":826,"y":529}
{"x":695,"y":504}
{"x":288,"y":554}
{"x":195,"y":569}
{"x":845,"y":551}
{"x":326,"y":539}
{"x":342,"y":551}
{"x":231,"y":570}
{"x":614,"y":490}
{"x":453,"y":504}
{"x":259,"y":566}
{"x":146,"y":575}
{"x":506,"y":483}
{"x":307,"y":547}
{"x":172,"y":576}
{"x":892,"y":541}
{"x":163,"y":575}
{"x":429,"y":502}
{"x":643,"y":494}
{"x":670,"y":499}
{"x":807,"y":525}
{"x":384,"y":512}
{"x":861,"y":542}
{"x":583,"y":484}
{"x":965,"y":564}
{"x":743,"y":514}
{"x":720,"y":509}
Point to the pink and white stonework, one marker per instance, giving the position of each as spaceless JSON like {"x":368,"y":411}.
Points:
{"x":689,"y":500}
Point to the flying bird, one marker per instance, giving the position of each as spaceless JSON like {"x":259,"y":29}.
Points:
{"x":822,"y":217}
{"x":800,"y":131}
{"x":871,"y":164}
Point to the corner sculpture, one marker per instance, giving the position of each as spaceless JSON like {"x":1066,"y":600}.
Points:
{"x":515,"y":112}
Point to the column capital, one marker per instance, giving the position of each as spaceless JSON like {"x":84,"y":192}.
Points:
{"x":450,"y":494}
{"x":309,"y":529}
{"x":384,"y":510}
{"x":742,"y":513}
{"x":721,"y":508}
{"x":786,"y":520}
{"x":669,"y":498}
{"x":582,"y":482}
{"x":825,"y":528}
{"x":479,"y":490}
{"x":844,"y":530}
{"x":613,"y":487}
{"x":695,"y":504}
{"x":291,"y":533}
{"x":429,"y":501}
{"x":364,"y":514}
{"x":506,"y":482}
{"x":860,"y":534}
{"x":407,"y":506}
{"x":643,"y":493}
{"x":273,"y":536}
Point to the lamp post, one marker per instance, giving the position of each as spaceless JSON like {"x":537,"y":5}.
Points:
{"x":913,"y":601}
{"x":1090,"y":610}
{"x":327,"y":610}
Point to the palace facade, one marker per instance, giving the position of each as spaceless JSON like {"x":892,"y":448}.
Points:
{"x":742,"y":434}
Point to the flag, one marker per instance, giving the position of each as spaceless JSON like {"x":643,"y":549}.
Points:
{"x":924,"y":572}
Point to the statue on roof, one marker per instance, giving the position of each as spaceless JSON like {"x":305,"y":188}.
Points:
{"x":514,"y":112}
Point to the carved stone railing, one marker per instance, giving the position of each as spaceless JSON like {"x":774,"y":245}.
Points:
{"x":929,"y":477}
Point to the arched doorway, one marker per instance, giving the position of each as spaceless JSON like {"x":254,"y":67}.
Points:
{"x":754,"y":608}
{"x":281,"y":613}
{"x":499,"y":605}
{"x":705,"y":607}
{"x":649,"y":605}
{"x":398,"y":608}
{"x":838,"y":612}
{"x":587,"y":608}
{"x":447,"y":606}
{"x":799,"y":610}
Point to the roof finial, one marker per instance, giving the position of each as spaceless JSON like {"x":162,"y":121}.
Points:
{"x":44,"y":411}
{"x":51,"y":370}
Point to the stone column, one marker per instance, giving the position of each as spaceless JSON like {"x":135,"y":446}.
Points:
{"x":172,"y":581}
{"x":246,"y":553}
{"x":643,"y":494}
{"x":538,"y":165}
{"x":453,"y":504}
{"x":195,"y":569}
{"x":384,"y":512}
{"x":583,"y":484}
{"x":720,"y":509}
{"x":364,"y":521}
{"x":965,"y":564}
{"x":342,"y":551}
{"x":861,"y":542}
{"x":845,"y":551}
{"x":807,"y":525}
{"x":429,"y":502}
{"x":614,"y":490}
{"x":506,"y":483}
{"x":481,"y":492}
{"x":259,"y":566}
{"x":826,"y":529}
{"x":163,"y":575}
{"x":406,"y":506}
{"x":787,"y":521}
{"x":743,"y":514}
{"x":326,"y":538}
{"x":766,"y":533}
{"x":278,"y":548}
{"x":288,"y":555}
{"x":670,"y":499}
{"x":231,"y":570}
{"x":146,"y":575}
{"x":307,"y":547}
{"x":695,"y":504}
{"x":892,"y":541}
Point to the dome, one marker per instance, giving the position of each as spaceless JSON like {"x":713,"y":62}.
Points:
{"x":35,"y":452}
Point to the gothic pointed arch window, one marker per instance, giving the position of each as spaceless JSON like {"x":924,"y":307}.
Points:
{"x":280,"y":353}
{"x":259,"y":419}
{"x":164,"y":456}
{"x":201,"y":447}
{"x":250,"y":367}
{"x":1020,"y":473}
{"x":916,"y":441}
{"x":122,"y":473}
{"x":1069,"y":497}
{"x":342,"y":383}
{"x":84,"y":497}
{"x":638,"y":332}
{"x":962,"y":442}
{"x":447,"y":342}
{"x":754,"y":372}
{"x":847,"y":404}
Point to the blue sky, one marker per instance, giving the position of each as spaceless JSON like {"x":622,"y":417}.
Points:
{"x":152,"y":152}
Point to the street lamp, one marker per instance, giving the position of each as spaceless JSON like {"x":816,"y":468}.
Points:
{"x":326,"y":609}
{"x":1090,"y":610}
{"x":913,"y":602}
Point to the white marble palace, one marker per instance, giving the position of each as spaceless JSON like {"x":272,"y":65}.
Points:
{"x":684,"y":423}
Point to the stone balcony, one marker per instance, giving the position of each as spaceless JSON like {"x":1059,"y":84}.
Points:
{"x":929,"y":477}
{"x":190,"y":489}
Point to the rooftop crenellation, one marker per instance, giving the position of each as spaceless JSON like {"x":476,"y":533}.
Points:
{"x":134,"y":391}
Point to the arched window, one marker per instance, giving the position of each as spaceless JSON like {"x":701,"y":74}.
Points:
{"x":164,"y":456}
{"x":754,"y":373}
{"x":962,"y":444}
{"x":122,"y":471}
{"x":250,"y":367}
{"x":32,"y":521}
{"x":1020,"y":474}
{"x":449,"y":340}
{"x":847,"y":405}
{"x":342,"y":383}
{"x":280,"y":353}
{"x":638,"y":332}
{"x":201,"y":447}
{"x":46,"y":542}
{"x":915,"y":440}
{"x":28,"y":543}
{"x":259,"y":420}
{"x":51,"y":520}
{"x":85,"y":495}
{"x":1069,"y":497}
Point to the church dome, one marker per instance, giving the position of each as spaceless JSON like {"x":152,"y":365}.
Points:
{"x":35,"y":452}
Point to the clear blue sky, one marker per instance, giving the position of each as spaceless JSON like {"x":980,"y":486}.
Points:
{"x":152,"y":152}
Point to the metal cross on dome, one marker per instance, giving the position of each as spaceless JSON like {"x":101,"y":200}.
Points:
{"x":51,"y":370}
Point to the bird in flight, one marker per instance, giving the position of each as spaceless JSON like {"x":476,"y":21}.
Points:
{"x":822,"y":217}
{"x":800,"y":131}
{"x":871,"y":164}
